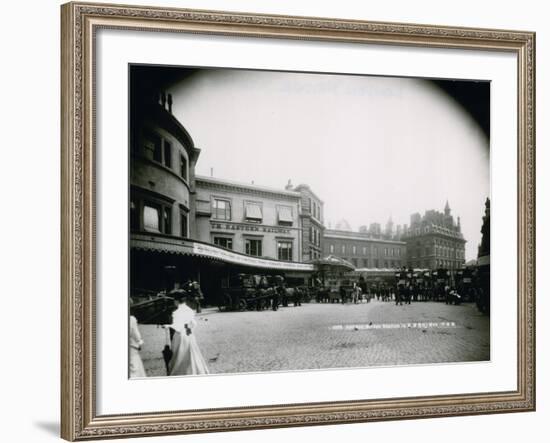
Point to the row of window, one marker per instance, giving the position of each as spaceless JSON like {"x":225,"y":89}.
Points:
{"x":155,"y":215}
{"x":365,"y":250}
{"x":441,"y":242}
{"x":374,"y":263}
{"x":253,"y":212}
{"x":447,"y":264}
{"x":438,"y":264}
{"x":427,"y":229}
{"x":315,"y":254}
{"x":254,"y":247}
{"x":448,"y":252}
{"x":315,"y":236}
{"x":315,"y":209}
{"x":415,"y":253}
{"x":162,"y":153}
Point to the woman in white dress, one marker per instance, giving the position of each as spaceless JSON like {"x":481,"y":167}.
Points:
{"x":186,"y":358}
{"x":136,"y":364}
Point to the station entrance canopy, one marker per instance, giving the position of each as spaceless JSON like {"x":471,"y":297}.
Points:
{"x":333,"y":263}
{"x":194,"y":248}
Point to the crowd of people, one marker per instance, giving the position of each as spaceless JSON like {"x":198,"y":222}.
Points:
{"x":182,"y":355}
{"x":361,"y":292}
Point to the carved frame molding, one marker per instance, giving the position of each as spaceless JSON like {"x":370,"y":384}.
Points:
{"x":79,"y":24}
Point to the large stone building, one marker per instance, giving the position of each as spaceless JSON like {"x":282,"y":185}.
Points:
{"x":435,"y":240}
{"x":364,"y":250}
{"x":250,"y":219}
{"x":183,"y":227}
{"x":163,"y":158}
{"x":162,"y":164}
{"x":311,"y":220}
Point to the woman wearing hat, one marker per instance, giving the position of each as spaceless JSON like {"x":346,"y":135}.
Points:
{"x":186,"y":358}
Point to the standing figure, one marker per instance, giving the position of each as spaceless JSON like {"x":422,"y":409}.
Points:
{"x":400,"y":295}
{"x":275,"y":298}
{"x":136,"y":342}
{"x":408,"y":294}
{"x":186,"y":358}
{"x":197,"y":296}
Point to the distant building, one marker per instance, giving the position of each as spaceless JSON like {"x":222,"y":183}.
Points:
{"x":342,"y":225}
{"x":363,"y":250}
{"x":311,"y":219}
{"x":434,"y":240}
{"x":375,"y":230}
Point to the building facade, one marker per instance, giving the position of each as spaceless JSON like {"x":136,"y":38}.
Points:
{"x":250,"y":219}
{"x":186,"y":227}
{"x":435,"y":240}
{"x":162,"y":158}
{"x":363,"y":250}
{"x":311,"y":220}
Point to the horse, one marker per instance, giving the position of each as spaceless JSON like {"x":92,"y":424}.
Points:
{"x":293,"y":295}
{"x":356,"y":294}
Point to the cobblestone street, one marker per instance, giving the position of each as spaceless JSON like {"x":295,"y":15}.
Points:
{"x":316,"y":336}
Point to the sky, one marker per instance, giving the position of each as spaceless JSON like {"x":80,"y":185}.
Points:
{"x":370,"y":147}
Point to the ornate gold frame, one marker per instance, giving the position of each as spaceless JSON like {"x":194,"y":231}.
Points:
{"x":79,"y":23}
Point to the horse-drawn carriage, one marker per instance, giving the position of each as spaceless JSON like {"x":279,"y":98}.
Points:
{"x":441,"y":283}
{"x":257,"y":292}
{"x":150,"y":307}
{"x":334,"y":290}
{"x":465,"y":281}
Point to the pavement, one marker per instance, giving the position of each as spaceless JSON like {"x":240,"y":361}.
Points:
{"x":320,"y":336}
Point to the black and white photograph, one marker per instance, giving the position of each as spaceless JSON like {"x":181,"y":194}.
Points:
{"x":283,"y":221}
{"x":233,"y":221}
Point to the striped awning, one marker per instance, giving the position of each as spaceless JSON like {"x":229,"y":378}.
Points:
{"x":334,"y":262}
{"x":179,"y":246}
{"x":284,"y":214}
{"x":253,"y":211}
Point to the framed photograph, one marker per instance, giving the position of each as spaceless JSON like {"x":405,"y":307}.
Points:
{"x":277,"y":221}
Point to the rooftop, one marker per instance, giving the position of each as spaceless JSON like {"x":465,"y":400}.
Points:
{"x":351,"y":235}
{"x":246,"y":186}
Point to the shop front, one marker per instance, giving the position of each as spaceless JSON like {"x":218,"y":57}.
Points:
{"x":164,"y":263}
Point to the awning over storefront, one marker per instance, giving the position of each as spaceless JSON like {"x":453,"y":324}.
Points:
{"x":387,"y":271}
{"x":253,"y":211}
{"x":195,"y":248}
{"x":380,"y":270}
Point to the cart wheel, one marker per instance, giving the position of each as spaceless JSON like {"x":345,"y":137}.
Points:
{"x":242,"y":305}
{"x":225,"y":303}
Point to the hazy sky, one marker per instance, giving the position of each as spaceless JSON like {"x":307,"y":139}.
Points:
{"x":369,"y":147}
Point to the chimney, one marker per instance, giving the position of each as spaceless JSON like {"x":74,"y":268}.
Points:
{"x":170,"y":103}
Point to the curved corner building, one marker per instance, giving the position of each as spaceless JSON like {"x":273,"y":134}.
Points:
{"x":186,"y":227}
